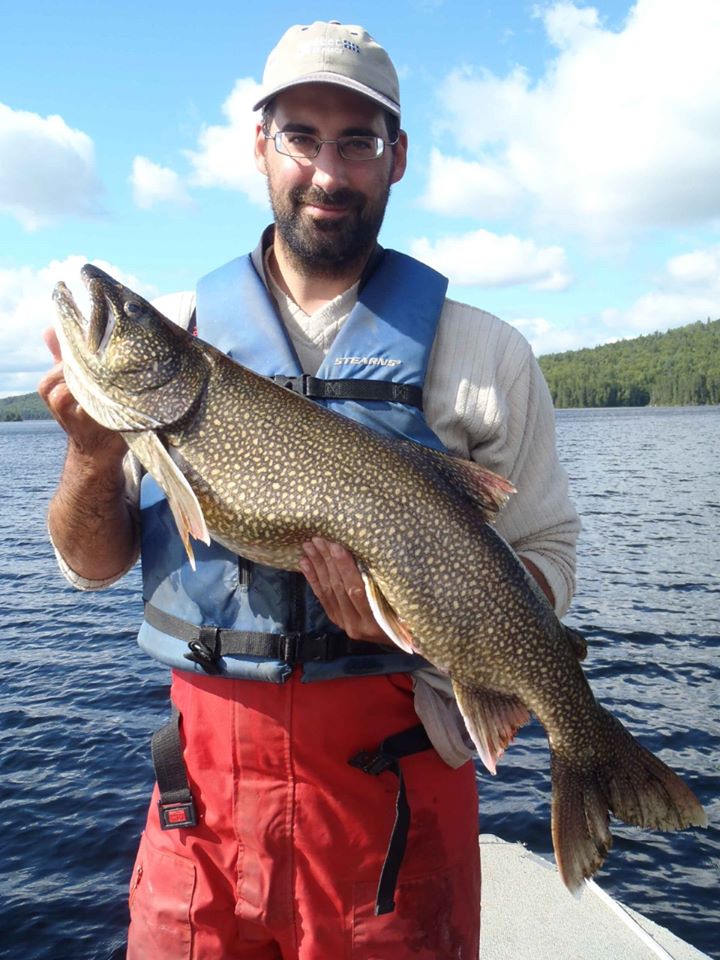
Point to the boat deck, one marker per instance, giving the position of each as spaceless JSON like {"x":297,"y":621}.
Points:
{"x":528,"y":914}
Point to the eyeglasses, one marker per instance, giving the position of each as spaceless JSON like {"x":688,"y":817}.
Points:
{"x":305,"y":146}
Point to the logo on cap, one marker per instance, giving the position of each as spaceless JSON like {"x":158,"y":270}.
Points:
{"x":327,"y":43}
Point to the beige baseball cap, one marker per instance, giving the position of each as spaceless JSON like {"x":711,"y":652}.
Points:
{"x":336,"y":53}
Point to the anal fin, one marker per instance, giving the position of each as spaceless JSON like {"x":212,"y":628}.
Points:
{"x":492,"y":720}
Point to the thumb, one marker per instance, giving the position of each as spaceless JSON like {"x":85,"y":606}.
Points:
{"x":51,"y":341}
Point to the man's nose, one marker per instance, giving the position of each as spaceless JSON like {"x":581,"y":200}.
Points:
{"x":330,"y":170}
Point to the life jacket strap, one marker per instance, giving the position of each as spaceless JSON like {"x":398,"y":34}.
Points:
{"x":209,"y":643}
{"x":175,"y":806}
{"x":387,"y":757}
{"x":319,"y":389}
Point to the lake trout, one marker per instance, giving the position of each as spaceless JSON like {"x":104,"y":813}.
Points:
{"x":261,"y":470}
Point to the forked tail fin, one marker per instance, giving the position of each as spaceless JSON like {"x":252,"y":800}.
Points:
{"x":633,"y":785}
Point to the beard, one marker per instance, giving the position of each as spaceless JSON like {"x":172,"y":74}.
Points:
{"x":329,"y":248}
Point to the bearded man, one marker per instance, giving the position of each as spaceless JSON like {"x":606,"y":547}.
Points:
{"x":299,"y":728}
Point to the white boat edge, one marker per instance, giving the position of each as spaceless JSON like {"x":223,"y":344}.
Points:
{"x":528,"y":914}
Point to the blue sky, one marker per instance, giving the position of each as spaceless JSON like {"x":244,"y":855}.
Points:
{"x":564,"y":156}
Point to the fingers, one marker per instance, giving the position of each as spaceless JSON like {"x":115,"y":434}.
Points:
{"x":335,"y":580}
{"x":52,"y":388}
{"x":336,"y":572}
{"x":54,"y":392}
{"x":86,"y":435}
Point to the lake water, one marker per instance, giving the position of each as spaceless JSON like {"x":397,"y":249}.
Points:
{"x":79,"y":701}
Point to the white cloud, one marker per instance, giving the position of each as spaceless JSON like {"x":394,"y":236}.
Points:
{"x":544,"y":337}
{"x":622,"y":130}
{"x":700,"y":266}
{"x":687,"y":291}
{"x":660,"y":310}
{"x":456,"y":185}
{"x":26,"y":309}
{"x":154,"y":184}
{"x":486,"y":259}
{"x":567,"y":25}
{"x":48,"y":169}
{"x":225,"y":156}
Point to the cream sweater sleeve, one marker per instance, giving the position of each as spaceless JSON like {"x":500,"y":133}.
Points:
{"x":487,"y":400}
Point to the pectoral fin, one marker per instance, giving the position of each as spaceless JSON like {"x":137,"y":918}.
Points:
{"x":186,"y":510}
{"x":492,"y":720}
{"x":386,"y":617}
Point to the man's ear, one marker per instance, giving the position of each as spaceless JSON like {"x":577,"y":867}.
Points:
{"x":399,"y":158}
{"x":261,"y":149}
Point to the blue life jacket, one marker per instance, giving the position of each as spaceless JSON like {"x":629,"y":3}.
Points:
{"x":386,"y":338}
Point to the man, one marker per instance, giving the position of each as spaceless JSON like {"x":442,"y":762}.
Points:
{"x":292,"y":833}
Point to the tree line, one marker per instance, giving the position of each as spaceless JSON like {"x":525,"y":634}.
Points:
{"x":675,"y":368}
{"x":25,"y":406}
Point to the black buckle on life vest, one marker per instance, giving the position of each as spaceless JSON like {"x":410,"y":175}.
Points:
{"x":205,"y":650}
{"x":296,"y":384}
{"x":299,"y":647}
{"x":175,"y":816}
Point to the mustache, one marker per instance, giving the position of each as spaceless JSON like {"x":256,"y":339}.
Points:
{"x":339,"y":198}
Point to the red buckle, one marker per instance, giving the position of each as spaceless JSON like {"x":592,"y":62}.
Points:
{"x":174,"y":816}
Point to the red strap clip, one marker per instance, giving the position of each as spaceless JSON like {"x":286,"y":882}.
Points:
{"x":175,"y":816}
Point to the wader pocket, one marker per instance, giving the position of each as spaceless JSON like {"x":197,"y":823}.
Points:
{"x":161,"y":893}
{"x":436,"y":917}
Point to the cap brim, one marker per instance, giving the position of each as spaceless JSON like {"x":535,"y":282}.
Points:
{"x":337,"y":80}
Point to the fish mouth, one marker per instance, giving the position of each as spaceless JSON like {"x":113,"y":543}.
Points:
{"x":102,"y":318}
{"x":96,"y":330}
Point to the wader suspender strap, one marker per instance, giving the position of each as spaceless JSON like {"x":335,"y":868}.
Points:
{"x":387,"y":757}
{"x":175,"y":806}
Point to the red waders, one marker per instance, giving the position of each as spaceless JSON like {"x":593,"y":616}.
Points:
{"x":285,"y":860}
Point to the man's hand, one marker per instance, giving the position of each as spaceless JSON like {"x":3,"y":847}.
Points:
{"x":335,"y":580}
{"x":86,"y":436}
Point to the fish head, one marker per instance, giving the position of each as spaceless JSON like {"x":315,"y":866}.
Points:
{"x":127,"y":364}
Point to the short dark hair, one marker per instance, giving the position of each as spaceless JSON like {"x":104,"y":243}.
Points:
{"x":392,"y":122}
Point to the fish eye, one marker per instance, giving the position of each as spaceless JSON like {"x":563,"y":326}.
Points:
{"x":132,"y":309}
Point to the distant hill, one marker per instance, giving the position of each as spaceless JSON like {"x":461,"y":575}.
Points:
{"x":25,"y":406}
{"x":676,"y":368}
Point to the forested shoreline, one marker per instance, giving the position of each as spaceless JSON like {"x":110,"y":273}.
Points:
{"x":680,"y":367}
{"x":24,"y":406}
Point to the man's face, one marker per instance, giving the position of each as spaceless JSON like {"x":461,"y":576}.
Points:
{"x":328,"y":210}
